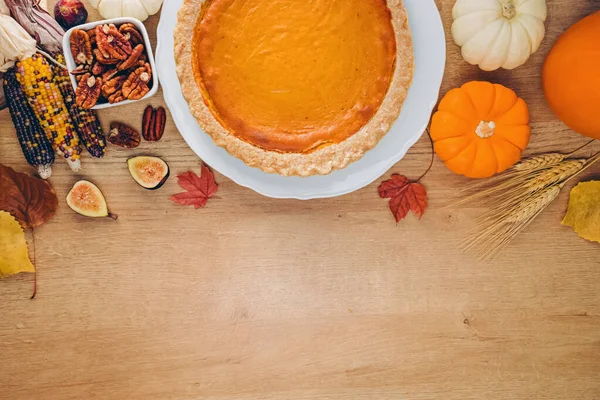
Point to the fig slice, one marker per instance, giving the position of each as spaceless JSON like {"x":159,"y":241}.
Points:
{"x":86,"y":199}
{"x":149,"y":172}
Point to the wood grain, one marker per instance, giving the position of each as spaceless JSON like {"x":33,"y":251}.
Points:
{"x":253,"y":298}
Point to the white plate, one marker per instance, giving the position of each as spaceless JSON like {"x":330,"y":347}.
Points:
{"x":430,"y":59}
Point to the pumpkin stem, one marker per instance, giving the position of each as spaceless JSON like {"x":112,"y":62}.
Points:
{"x":508,"y":10}
{"x":485,"y":129}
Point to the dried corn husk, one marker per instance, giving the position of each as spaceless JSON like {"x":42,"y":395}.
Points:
{"x":15,"y":43}
{"x":38,"y":23}
{"x":3,"y":8}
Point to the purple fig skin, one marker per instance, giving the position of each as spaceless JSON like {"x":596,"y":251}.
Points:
{"x":70,"y":13}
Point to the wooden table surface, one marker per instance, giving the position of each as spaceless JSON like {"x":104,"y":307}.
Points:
{"x":254,"y":298}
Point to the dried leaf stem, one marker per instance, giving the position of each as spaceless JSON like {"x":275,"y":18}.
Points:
{"x":432,"y":158}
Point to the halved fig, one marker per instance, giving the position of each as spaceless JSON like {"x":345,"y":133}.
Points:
{"x":86,"y":199}
{"x":149,"y":172}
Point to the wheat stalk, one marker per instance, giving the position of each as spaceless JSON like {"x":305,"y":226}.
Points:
{"x":519,"y":199}
{"x":556,"y":174}
{"x":531,"y":207}
{"x":522,"y":188}
{"x":518,"y":174}
{"x":540,"y":162}
{"x":497,"y":232}
{"x":546,"y":160}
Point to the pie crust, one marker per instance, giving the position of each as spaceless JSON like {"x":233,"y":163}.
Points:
{"x":324,"y":159}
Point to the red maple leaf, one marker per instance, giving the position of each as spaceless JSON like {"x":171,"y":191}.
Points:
{"x":404,"y":195}
{"x":199,"y":188}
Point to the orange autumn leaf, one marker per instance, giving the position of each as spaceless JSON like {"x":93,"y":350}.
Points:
{"x":199,"y":188}
{"x":404,"y":196}
{"x":31,"y":201}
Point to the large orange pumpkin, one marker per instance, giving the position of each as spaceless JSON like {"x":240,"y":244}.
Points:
{"x":571,"y":77}
{"x":480,"y":129}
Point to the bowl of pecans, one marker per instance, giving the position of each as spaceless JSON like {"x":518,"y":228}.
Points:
{"x":110,"y":63}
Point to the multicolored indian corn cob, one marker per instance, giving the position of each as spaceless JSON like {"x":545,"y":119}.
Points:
{"x":37,"y":80}
{"x":36,"y":147}
{"x":86,"y":122}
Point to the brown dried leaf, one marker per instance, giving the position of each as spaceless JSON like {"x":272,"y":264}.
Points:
{"x":30,"y":200}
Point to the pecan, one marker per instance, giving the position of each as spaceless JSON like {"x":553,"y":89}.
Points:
{"x":88,"y":91}
{"x":98,"y":69}
{"x":109,"y":74}
{"x":92,"y":34}
{"x":132,"y":34}
{"x":133,"y":58}
{"x":112,"y":43}
{"x":153,"y":123}
{"x":160,"y":122}
{"x":116,"y":97}
{"x":148,"y":122}
{"x":123,"y":135}
{"x":113,"y":85}
{"x":81,"y":48}
{"x":135,"y":66}
{"x":136,"y":85}
{"x":103,"y":60}
{"x":80,"y":70}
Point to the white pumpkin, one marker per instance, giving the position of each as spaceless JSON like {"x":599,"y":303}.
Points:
{"x":499,"y":33}
{"x":139,"y":9}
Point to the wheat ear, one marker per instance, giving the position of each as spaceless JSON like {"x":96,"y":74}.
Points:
{"x":556,"y":174}
{"x":539,"y":162}
{"x":544,"y":161}
{"x":520,"y":190}
{"x":513,"y":185}
{"x":531,"y":207}
{"x":498,"y":231}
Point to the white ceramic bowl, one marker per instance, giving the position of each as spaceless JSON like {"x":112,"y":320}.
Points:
{"x":117,"y":21}
{"x":430,"y":59}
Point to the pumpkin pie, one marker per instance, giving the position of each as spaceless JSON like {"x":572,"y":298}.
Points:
{"x":295,"y":87}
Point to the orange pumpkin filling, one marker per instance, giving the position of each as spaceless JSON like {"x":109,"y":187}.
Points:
{"x":293,"y":76}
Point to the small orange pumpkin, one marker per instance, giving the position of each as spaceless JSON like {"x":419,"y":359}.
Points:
{"x":480,"y":129}
{"x":571,"y":77}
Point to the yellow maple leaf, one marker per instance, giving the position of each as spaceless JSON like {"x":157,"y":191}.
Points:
{"x":14,"y":257}
{"x":584,"y":210}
